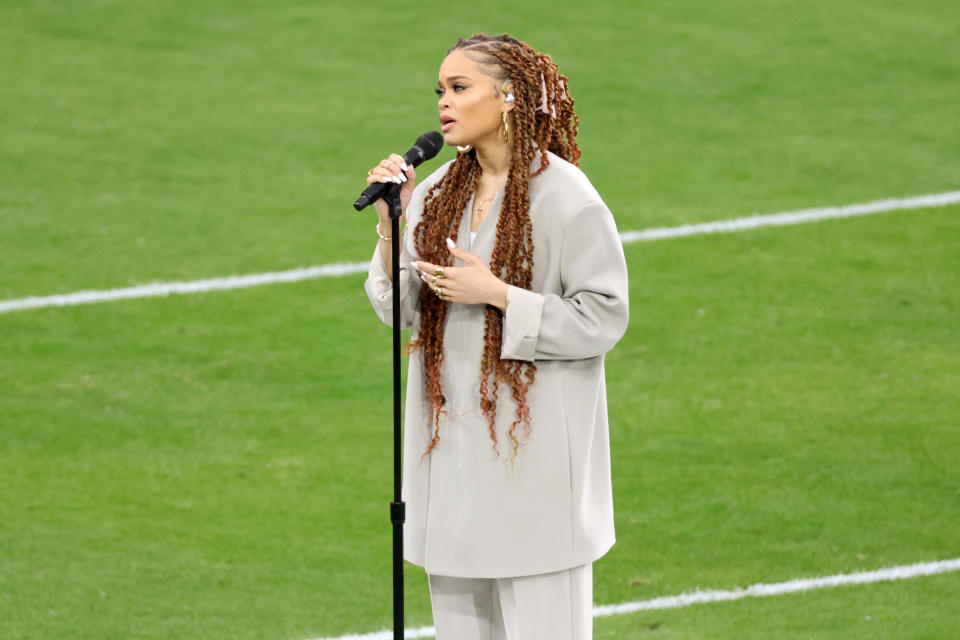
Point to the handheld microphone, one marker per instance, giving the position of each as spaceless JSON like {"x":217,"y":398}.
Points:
{"x":427,"y":146}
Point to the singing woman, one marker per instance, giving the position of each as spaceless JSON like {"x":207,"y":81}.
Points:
{"x":513,"y":280}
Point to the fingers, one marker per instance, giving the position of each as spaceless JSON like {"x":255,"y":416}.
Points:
{"x":440,"y":283}
{"x":429,"y":269}
{"x":397,"y":165}
{"x":457,"y":252}
{"x":425,"y":268}
{"x":434,"y":275}
{"x":391,"y":169}
{"x":472,"y":283}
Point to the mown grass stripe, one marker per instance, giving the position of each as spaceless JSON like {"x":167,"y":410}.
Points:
{"x":161,"y":289}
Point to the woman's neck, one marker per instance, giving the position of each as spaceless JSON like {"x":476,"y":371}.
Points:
{"x":494,"y":160}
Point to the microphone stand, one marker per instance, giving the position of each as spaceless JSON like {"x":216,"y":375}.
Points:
{"x":397,"y":507}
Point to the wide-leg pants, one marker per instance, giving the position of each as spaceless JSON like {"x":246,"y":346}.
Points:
{"x":549,"y":606}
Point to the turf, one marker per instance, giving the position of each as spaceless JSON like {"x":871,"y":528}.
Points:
{"x":182,"y":140}
{"x":218,"y":465}
{"x":887,"y":610}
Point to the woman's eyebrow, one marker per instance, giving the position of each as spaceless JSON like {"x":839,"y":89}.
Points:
{"x":453,"y":78}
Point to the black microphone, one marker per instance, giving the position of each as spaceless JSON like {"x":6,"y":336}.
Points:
{"x":426,"y":146}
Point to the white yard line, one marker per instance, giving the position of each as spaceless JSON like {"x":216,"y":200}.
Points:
{"x":159,"y":289}
{"x":785,"y":218}
{"x":699,"y":597}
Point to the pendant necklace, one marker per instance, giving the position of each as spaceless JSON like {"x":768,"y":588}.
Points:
{"x":478,"y":208}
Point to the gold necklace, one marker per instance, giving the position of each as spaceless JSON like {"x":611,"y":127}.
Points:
{"x":478,"y":208}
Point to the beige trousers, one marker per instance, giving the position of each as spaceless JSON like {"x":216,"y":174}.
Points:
{"x":549,"y":606}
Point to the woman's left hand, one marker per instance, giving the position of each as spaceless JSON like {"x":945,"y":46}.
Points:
{"x":470,"y":284}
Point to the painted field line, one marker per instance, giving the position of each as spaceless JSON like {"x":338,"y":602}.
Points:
{"x":160,"y":289}
{"x":700,"y":597}
{"x":794,"y":217}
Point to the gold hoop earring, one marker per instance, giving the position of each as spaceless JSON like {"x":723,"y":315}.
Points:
{"x":506,"y":128}
{"x":464,"y":149}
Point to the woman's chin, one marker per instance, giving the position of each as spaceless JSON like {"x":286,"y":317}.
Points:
{"x":452,"y":140}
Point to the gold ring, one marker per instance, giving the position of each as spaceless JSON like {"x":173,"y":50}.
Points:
{"x":439,"y":273}
{"x":439,"y":291}
{"x":434,"y":280}
{"x":370,"y":173}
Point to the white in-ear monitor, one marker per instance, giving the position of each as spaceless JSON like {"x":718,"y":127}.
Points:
{"x":509,"y":98}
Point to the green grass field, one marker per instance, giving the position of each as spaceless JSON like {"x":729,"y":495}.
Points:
{"x":784,"y":404}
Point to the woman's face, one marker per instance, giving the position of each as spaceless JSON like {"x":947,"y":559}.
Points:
{"x":470,"y":104}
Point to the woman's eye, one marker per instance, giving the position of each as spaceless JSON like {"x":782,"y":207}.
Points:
{"x":457,"y":89}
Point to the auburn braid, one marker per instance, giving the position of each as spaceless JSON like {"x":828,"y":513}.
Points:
{"x":543,"y":120}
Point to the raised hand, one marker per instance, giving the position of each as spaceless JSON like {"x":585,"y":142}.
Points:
{"x":392,"y":169}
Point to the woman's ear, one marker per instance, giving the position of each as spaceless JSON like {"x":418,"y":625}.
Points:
{"x":509,"y":100}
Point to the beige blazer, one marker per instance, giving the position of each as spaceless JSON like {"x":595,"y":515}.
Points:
{"x":470,"y":513}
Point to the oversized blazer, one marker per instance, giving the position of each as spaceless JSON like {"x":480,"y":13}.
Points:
{"x":470,"y":511}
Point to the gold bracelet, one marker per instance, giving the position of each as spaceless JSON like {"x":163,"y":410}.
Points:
{"x":383,"y":237}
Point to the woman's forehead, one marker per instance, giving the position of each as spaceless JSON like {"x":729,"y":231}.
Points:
{"x":458,"y":66}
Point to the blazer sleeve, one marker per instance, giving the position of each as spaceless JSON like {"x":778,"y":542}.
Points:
{"x":591,"y":314}
{"x":379,"y":286}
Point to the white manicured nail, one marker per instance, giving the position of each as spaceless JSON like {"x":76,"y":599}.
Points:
{"x":402,"y":177}
{"x":403,"y":165}
{"x":415,"y":267}
{"x":397,"y":180}
{"x":450,"y":243}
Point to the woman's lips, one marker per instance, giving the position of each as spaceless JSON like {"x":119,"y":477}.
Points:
{"x":446,"y":125}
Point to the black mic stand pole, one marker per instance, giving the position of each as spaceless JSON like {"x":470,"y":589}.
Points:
{"x":397,"y":507}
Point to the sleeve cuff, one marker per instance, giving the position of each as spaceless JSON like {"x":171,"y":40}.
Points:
{"x":378,"y":284}
{"x":521,"y":324}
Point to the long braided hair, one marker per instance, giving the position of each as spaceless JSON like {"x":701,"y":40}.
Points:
{"x":543,"y":120}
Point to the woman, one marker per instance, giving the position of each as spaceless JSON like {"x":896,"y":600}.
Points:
{"x":513,"y":279}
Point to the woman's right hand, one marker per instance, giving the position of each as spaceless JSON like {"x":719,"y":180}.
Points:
{"x":392,"y":169}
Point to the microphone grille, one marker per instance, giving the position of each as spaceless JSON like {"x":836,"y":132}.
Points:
{"x":429,"y":144}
